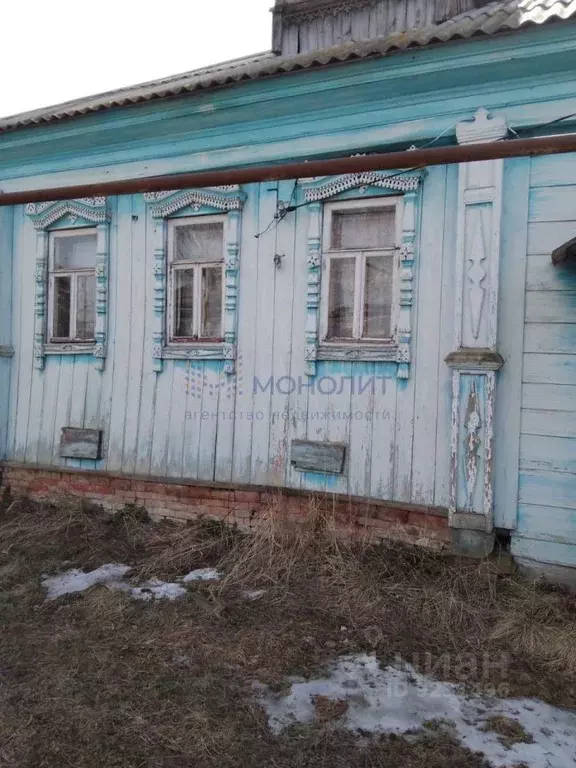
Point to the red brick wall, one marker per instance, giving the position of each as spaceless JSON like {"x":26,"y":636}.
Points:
{"x":245,"y":506}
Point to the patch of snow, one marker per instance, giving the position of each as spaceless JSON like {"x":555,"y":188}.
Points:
{"x":77,"y":581}
{"x":112,"y":575}
{"x":397,"y":700}
{"x":202,"y":574}
{"x":253,"y":594}
{"x":158,"y":590}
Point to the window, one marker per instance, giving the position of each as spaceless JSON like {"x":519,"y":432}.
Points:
{"x":360,"y":240}
{"x":72,"y":285}
{"x":196,"y":279}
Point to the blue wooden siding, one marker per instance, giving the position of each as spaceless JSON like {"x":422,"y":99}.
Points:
{"x":192,"y":421}
{"x":547,"y":492}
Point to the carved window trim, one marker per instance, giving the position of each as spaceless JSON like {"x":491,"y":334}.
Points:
{"x":197,"y":202}
{"x":362,"y":186}
{"x":65,"y":215}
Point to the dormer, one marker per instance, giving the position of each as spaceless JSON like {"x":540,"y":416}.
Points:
{"x":302,"y":26}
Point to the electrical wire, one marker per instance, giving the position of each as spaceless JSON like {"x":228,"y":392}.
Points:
{"x":281,"y":213}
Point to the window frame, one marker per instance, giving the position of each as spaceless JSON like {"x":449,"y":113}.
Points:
{"x":328,"y":254}
{"x":73,"y":274}
{"x":196,"y":267}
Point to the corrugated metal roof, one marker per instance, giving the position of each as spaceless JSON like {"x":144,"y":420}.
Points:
{"x":488,"y":20}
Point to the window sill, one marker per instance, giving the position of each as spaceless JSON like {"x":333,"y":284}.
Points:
{"x":362,"y":351}
{"x":195,"y":351}
{"x":69,"y":348}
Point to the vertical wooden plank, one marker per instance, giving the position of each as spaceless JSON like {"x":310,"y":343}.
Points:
{"x":176,"y":423}
{"x":427,"y":360}
{"x":93,"y":394}
{"x":115,"y":304}
{"x":279,"y":453}
{"x":196,"y":379}
{"x":148,"y":377}
{"x":383,"y":430}
{"x":16,"y":301}
{"x":211,"y":395}
{"x":47,"y":432}
{"x":397,"y":16}
{"x":24,"y":276}
{"x":364,"y":401}
{"x":247,"y":318}
{"x":323,"y":405}
{"x":122,"y":339}
{"x":137,"y":326}
{"x":299,"y":400}
{"x":264,"y":334}
{"x":63,"y":405}
{"x":381,"y":18}
{"x":341,"y":407}
{"x":442,"y":450}
{"x":161,"y":417}
{"x":510,"y":341}
{"x":6,"y":253}
{"x":78,"y":398}
{"x":346,"y":27}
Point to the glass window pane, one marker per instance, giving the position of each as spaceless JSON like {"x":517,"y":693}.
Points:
{"x":199,"y":242}
{"x":378,"y":297}
{"x":85,"y":306}
{"x":75,"y":252}
{"x":184,"y":303}
{"x":61,"y":310}
{"x":363,"y":228}
{"x":211,"y":303}
{"x":341,"y":298}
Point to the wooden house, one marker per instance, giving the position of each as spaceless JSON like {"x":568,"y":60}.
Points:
{"x":396,"y":343}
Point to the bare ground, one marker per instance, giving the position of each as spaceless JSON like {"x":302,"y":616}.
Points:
{"x":98,"y":679}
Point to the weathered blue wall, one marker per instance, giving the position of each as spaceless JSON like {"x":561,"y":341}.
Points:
{"x":547,"y":492}
{"x":186,"y":421}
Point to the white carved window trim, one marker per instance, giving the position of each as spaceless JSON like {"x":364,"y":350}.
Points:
{"x":382,"y":345}
{"x":73,"y":274}
{"x":365,"y":185}
{"x":227,"y":200}
{"x":67,"y":215}
{"x":196,"y":267}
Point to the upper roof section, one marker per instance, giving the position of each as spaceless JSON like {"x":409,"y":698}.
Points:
{"x":301,"y":26}
{"x":490,"y":19}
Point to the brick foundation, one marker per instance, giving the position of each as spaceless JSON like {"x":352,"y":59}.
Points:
{"x":246,"y":506}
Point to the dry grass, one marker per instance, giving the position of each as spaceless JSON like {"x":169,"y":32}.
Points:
{"x":98,"y":680}
{"x":509,"y":731}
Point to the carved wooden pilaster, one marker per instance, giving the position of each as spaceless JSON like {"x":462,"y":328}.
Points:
{"x":102,"y":267}
{"x":40,"y":297}
{"x":313,"y":292}
{"x":475,"y":361}
{"x":232,"y":274}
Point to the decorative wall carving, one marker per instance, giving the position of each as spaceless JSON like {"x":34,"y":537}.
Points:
{"x":365,"y":184}
{"x":325,"y":188}
{"x":476,"y":272}
{"x":229,"y":199}
{"x":85,"y":211}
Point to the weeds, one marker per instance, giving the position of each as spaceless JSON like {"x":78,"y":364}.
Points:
{"x":99,"y":680}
